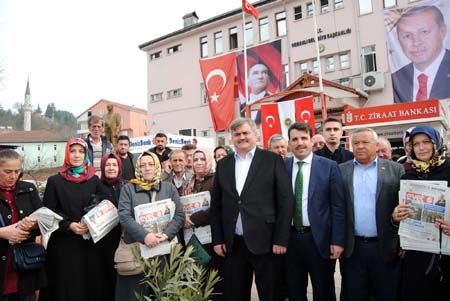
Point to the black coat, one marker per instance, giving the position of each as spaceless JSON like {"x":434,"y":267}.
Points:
{"x":27,"y":201}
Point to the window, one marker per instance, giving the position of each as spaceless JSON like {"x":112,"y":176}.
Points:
{"x":249,"y":33}
{"x":54,"y":158}
{"x":324,"y":6}
{"x":330,"y":63}
{"x":344,"y":81}
{"x":174,"y":93}
{"x":206,"y":133}
{"x":297,"y":13}
{"x":39,"y":159}
{"x":309,"y":9}
{"x":39,"y":147}
{"x":204,"y":46}
{"x":264,"y":29}
{"x":54,"y":147}
{"x":281,"y":23}
{"x":203,"y":96}
{"x":344,"y":59}
{"x":188,"y":132}
{"x":233,"y":38}
{"x":155,"y":55}
{"x":315,"y":67}
{"x":389,"y":3}
{"x":369,"y":60}
{"x":156,"y":97}
{"x":303,"y":67}
{"x":218,"y":42}
{"x":365,"y":7}
{"x":285,"y":82}
{"x":338,"y":4}
{"x":174,"y":49}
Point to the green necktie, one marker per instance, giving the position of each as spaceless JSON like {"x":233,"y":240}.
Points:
{"x":298,"y":220}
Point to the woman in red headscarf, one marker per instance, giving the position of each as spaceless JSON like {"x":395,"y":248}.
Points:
{"x":72,"y":260}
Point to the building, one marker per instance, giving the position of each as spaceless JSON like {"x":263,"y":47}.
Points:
{"x":352,"y":43}
{"x":40,"y":148}
{"x":134,"y":120}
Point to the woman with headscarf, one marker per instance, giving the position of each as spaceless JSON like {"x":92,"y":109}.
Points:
{"x":429,"y":163}
{"x":71,"y":259}
{"x":406,"y":160}
{"x":137,"y":192}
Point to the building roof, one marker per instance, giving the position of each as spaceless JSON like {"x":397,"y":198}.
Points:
{"x":203,"y":23}
{"x":116,"y":104}
{"x":32,"y":136}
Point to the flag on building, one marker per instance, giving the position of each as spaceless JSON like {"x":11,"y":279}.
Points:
{"x":218,"y":77}
{"x":250,"y":9}
{"x":276,"y":118}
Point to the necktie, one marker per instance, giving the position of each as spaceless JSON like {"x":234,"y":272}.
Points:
{"x":298,"y":219}
{"x":422,"y":93}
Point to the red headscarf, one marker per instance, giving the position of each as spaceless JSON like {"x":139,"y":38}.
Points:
{"x":110,"y":181}
{"x":76,"y":174}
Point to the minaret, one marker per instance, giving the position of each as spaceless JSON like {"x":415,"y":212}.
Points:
{"x":27,"y":108}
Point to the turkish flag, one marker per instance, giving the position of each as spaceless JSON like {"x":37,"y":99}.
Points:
{"x":276,"y":118}
{"x":218,"y":76}
{"x":250,"y":9}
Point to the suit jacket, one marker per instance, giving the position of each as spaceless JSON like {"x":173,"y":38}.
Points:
{"x":326,"y":205}
{"x":388,"y":186}
{"x":403,"y":82}
{"x":266,"y":203}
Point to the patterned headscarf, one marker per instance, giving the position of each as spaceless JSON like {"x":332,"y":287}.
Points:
{"x":139,"y":178}
{"x":190,"y":187}
{"x":76,"y":174}
{"x":110,"y":181}
{"x":438,"y":157}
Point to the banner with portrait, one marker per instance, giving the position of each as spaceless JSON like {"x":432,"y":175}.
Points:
{"x":418,"y":50}
{"x":264,"y":73}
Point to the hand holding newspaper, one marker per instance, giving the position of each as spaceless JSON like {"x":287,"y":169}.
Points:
{"x":194,"y":203}
{"x":155,"y":217}
{"x":100,"y":220}
{"x":48,"y":222}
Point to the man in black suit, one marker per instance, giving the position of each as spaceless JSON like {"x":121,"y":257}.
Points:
{"x":421,"y":32}
{"x":371,"y":186}
{"x":318,"y":228}
{"x":251,"y":212}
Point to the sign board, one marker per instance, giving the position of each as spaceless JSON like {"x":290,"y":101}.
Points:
{"x":143,"y":143}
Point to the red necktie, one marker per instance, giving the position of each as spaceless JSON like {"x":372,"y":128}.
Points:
{"x":422,"y":94}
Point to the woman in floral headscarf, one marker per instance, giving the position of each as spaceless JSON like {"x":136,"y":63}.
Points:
{"x":71,"y":259}
{"x":139,"y":191}
{"x":429,"y":163}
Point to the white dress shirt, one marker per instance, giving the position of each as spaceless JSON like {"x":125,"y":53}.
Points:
{"x":430,"y":72}
{"x":306,"y":171}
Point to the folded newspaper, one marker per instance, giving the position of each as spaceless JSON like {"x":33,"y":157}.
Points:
{"x":100,"y":220}
{"x":427,"y":202}
{"x":155,"y":217}
{"x":48,"y":222}
{"x":194,"y":203}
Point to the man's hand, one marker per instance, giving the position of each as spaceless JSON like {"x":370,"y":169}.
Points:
{"x":220,"y":250}
{"x":151,"y":240}
{"x":78,"y":228}
{"x":279,"y":250}
{"x":335,"y":251}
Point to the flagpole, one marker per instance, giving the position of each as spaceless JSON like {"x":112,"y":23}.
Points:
{"x":322,"y":95}
{"x":245,"y":63}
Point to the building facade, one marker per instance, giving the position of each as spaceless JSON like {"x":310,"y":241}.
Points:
{"x":353,"y":52}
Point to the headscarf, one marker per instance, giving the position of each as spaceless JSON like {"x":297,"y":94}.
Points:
{"x":139,"y":178}
{"x":438,"y":157}
{"x":76,"y":174}
{"x":110,"y":181}
{"x":190,"y":186}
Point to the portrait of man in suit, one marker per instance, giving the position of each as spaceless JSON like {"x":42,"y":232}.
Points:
{"x":251,"y":213}
{"x":318,"y":227}
{"x":421,"y":32}
{"x":371,"y":186}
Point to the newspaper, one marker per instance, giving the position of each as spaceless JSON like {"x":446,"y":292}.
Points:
{"x":194,"y":203}
{"x":48,"y":222}
{"x":100,"y":220}
{"x":427,"y":201}
{"x":155,"y":217}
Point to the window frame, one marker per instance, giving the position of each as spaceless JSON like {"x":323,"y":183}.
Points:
{"x":233,"y":37}
{"x":298,"y":13}
{"x":217,"y":40}
{"x":204,"y":51}
{"x":281,"y":20}
{"x":347,"y":61}
{"x":264,"y":25}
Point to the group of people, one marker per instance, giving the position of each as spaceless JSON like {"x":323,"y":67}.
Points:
{"x":276,"y":218}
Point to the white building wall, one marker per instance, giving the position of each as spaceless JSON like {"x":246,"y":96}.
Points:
{"x":38,"y":155}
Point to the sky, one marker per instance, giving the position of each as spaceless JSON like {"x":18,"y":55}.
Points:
{"x":78,"y":52}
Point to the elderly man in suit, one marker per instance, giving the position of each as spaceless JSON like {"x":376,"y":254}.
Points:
{"x":371,"y":186}
{"x":421,"y":32}
{"x":318,"y":228}
{"x":251,"y":212}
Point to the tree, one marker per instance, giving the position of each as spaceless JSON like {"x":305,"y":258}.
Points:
{"x":50,"y":111}
{"x":38,"y":109}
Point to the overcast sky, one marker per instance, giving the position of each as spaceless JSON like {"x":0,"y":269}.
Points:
{"x":78,"y":52}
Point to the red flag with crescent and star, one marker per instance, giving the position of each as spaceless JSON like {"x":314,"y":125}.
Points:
{"x":218,"y":76}
{"x":276,"y":118}
{"x":250,"y":9}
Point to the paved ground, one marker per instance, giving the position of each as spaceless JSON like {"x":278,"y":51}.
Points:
{"x":337,"y":280}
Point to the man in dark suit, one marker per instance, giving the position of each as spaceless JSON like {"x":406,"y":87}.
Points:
{"x":371,"y":186}
{"x":333,"y":150}
{"x":421,"y":32}
{"x":318,"y":228}
{"x":251,"y":212}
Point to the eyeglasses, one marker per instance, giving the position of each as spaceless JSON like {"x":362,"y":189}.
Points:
{"x":144,"y":165}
